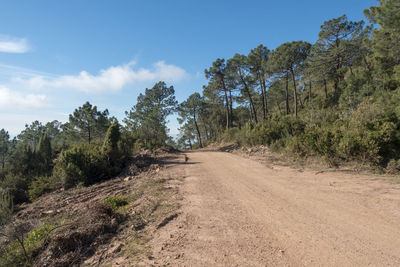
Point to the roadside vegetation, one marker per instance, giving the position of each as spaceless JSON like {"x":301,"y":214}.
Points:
{"x":90,"y":148}
{"x":337,"y":99}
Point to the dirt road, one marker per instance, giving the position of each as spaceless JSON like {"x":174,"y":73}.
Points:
{"x":239,"y":212}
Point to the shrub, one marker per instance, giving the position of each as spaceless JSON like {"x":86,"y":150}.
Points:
{"x":393,"y":167}
{"x":86,"y":164}
{"x":112,"y":138}
{"x":41,"y":186}
{"x":6,"y":206}
{"x":278,"y":128}
{"x":321,"y":141}
{"x":126,"y":144}
{"x":44,"y":154}
{"x":296,"y":146}
{"x":116,"y":202}
{"x":17,"y":186}
{"x":23,"y":243}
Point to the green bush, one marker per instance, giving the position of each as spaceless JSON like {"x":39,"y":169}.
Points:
{"x":126,"y":144}
{"x":6,"y":206}
{"x":86,"y":164}
{"x":17,"y":186}
{"x":90,"y":163}
{"x":321,"y":141}
{"x":41,"y":186}
{"x":116,"y":202}
{"x":12,"y":254}
{"x":113,"y":136}
{"x":296,"y":146}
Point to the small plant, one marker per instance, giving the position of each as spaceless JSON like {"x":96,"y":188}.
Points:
{"x":116,"y":202}
{"x":23,"y":241}
{"x":41,"y":186}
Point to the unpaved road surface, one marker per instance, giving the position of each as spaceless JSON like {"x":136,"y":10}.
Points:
{"x":239,"y":212}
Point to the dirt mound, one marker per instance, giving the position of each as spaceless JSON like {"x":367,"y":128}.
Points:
{"x":75,"y":241}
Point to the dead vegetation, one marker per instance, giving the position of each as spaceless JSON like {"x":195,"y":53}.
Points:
{"x":72,"y":242}
{"x":107,"y":223}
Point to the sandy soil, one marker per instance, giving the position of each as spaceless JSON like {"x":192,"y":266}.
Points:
{"x":240,"y":212}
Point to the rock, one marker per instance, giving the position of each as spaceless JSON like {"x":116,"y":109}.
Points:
{"x":48,"y":212}
{"x":157,"y":170}
{"x":126,"y":179}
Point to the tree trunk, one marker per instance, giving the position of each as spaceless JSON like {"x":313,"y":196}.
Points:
{"x":230,"y":107}
{"x":310,"y":93}
{"x":287,"y":94}
{"x":206,"y":131}
{"x":227,"y":110}
{"x":190,"y":145}
{"x":264,"y":88}
{"x":198,"y":131}
{"x":294,"y":93}
{"x":250,"y":98}
{"x":335,"y":88}
{"x":263,"y":97}
{"x":326,"y":89}
{"x":228,"y":114}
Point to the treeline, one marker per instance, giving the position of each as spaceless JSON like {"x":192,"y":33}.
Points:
{"x":337,"y":98}
{"x":89,"y":148}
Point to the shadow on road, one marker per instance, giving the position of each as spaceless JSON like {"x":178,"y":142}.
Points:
{"x":177,"y":159}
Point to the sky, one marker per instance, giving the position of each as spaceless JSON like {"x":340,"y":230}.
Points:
{"x":56,"y":55}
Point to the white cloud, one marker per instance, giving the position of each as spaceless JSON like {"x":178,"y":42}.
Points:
{"x":113,"y":78}
{"x":16,"y":100}
{"x":10,"y":44}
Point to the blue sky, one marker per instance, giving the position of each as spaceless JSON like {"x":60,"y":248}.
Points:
{"x":55,"y":55}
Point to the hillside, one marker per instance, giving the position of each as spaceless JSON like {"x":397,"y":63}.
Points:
{"x":106,"y":223}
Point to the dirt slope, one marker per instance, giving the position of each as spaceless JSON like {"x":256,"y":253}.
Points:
{"x":239,"y":212}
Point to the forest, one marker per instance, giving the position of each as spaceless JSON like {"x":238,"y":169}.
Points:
{"x":337,"y":99}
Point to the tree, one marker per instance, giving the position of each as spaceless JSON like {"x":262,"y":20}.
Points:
{"x":31,"y":134}
{"x":148,"y":117}
{"x":89,"y":122}
{"x":258,"y":62}
{"x":241,"y":73}
{"x":213,"y":111}
{"x":113,"y":135}
{"x":335,"y":49}
{"x":186,"y":138}
{"x":5,"y":146}
{"x":219,"y":79}
{"x":44,"y":154}
{"x":386,"y":38}
{"x":189,"y":111}
{"x":288,"y":59}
